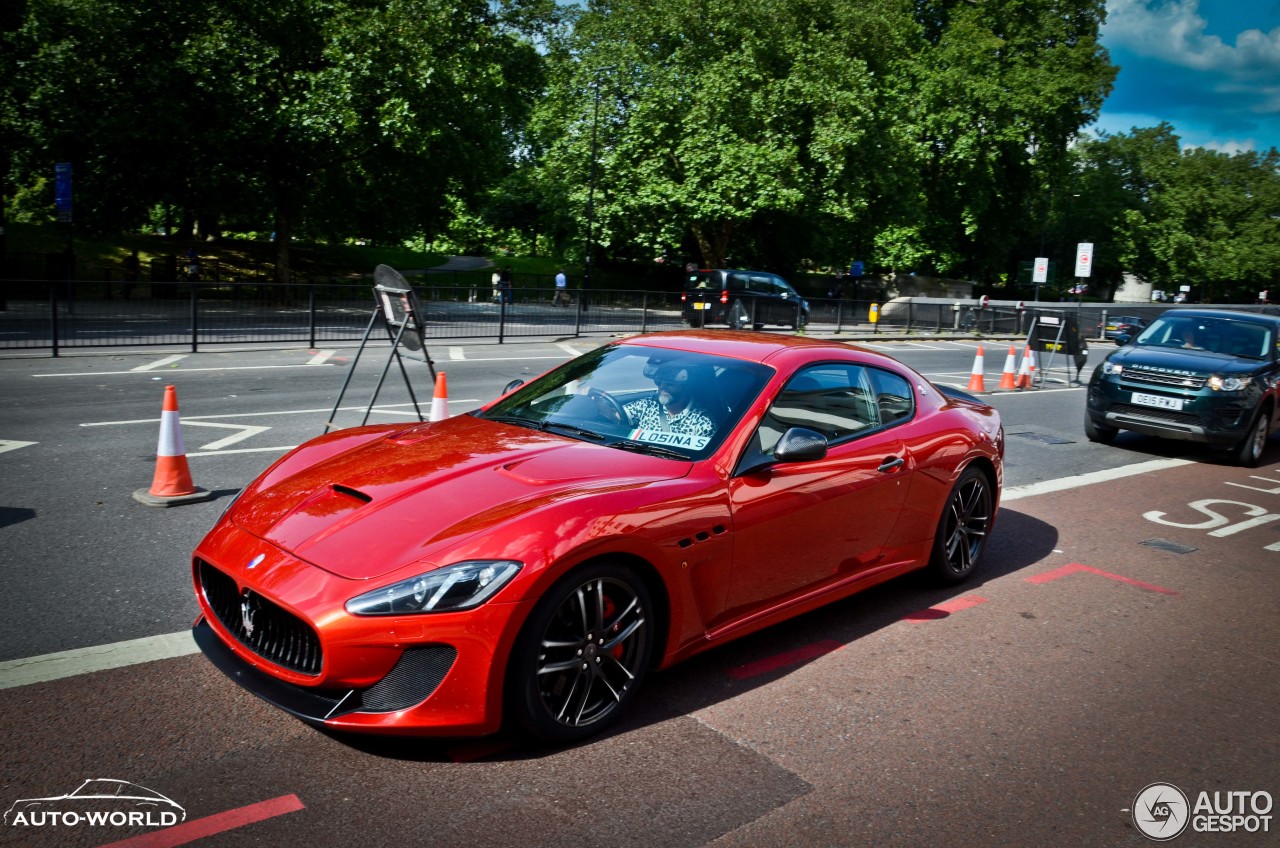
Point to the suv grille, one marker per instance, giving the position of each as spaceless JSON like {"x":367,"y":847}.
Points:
{"x":277,"y":635}
{"x":1160,"y":378}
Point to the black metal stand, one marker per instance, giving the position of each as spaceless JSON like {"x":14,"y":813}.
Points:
{"x":398,"y":306}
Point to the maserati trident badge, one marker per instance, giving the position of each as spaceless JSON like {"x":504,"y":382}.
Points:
{"x":246,"y":615}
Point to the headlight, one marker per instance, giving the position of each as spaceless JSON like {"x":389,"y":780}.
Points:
{"x":456,"y":587}
{"x":1110,"y":367}
{"x":1228,"y":384}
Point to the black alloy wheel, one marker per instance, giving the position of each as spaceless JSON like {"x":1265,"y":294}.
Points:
{"x":962,"y":529}
{"x":1249,"y":452}
{"x":582,"y":654}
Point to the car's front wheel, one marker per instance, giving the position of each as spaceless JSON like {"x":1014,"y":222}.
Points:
{"x":1098,"y":432}
{"x":1249,"y":452}
{"x":582,"y":654}
{"x":962,"y":529}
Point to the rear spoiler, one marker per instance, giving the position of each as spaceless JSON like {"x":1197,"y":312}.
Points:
{"x":956,"y":394}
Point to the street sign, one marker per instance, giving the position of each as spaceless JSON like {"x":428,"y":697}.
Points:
{"x":855,"y":269}
{"x":62,"y":191}
{"x":1084,"y":258}
{"x":1040,"y":271}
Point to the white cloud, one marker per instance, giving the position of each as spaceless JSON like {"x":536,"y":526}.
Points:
{"x":1173,"y":31}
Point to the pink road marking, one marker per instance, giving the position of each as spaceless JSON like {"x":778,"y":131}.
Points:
{"x":1059,"y":573}
{"x":787,"y":658}
{"x":181,"y":834}
{"x":944,"y":609}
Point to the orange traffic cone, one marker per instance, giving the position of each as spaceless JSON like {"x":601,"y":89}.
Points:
{"x":1024,"y":370}
{"x":440,"y":400}
{"x":171,"y":485}
{"x":1009,"y":379}
{"x":976,"y":383}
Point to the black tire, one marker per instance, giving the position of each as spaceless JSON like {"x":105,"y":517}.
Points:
{"x":1098,"y":432}
{"x":1249,"y":452}
{"x":962,"y":528}
{"x":582,"y":654}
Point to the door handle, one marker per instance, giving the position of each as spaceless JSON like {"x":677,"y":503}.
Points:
{"x":891,"y":463}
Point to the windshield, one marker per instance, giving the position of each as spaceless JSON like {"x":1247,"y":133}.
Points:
{"x":666,"y":403}
{"x":1215,"y":335}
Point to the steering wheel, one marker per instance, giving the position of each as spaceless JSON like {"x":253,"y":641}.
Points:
{"x":609,"y":407}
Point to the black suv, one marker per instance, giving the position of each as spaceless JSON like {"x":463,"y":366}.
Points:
{"x":741,"y":299}
{"x":1199,"y":375}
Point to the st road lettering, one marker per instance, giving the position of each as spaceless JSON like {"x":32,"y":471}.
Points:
{"x":1227,"y":517}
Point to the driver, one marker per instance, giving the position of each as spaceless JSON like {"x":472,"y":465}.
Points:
{"x":673,"y":410}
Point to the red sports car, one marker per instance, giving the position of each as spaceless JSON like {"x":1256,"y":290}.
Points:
{"x":532,"y":560}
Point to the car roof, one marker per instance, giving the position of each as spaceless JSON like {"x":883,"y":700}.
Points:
{"x":746,"y":344}
{"x":1256,"y":317}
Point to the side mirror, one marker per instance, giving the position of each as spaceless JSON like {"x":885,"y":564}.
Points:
{"x":512,"y":386}
{"x":800,"y":444}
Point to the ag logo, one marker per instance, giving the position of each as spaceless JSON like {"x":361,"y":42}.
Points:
{"x":1161,"y":812}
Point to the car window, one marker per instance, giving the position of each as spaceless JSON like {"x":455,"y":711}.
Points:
{"x":838,"y":400}
{"x":1215,"y":335}
{"x":677,"y":404}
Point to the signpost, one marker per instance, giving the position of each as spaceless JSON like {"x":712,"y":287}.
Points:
{"x":1040,"y":273}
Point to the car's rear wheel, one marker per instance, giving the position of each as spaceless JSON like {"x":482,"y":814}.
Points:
{"x":1249,"y":452}
{"x":962,"y":529}
{"x":1097,"y":432}
{"x":582,"y":654}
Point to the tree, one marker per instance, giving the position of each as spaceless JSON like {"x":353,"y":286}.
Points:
{"x":312,"y":116}
{"x":715,"y":114}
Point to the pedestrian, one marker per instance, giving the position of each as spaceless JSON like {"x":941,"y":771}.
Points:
{"x":504,"y":286}
{"x":496,"y":280}
{"x":562,"y":290}
{"x":132,"y":267}
{"x":193,"y":265}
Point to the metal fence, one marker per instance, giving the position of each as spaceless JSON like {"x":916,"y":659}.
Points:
{"x":56,"y":316}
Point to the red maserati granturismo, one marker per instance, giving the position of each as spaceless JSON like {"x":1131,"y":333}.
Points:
{"x":533,"y":560}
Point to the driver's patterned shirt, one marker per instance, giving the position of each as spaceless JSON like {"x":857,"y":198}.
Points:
{"x":648,"y":414}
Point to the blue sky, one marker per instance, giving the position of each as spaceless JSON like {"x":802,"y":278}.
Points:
{"x":1210,"y":68}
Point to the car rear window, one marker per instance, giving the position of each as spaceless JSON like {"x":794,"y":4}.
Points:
{"x":702,"y":281}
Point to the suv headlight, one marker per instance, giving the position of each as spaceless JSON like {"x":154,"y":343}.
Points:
{"x":460,"y":586}
{"x":1110,"y":367}
{"x":1228,"y":384}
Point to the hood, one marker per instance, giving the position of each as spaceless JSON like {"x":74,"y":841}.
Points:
{"x":1177,"y":360}
{"x":393,"y":501}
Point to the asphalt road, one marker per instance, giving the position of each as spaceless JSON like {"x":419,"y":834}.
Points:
{"x":1122,"y":633}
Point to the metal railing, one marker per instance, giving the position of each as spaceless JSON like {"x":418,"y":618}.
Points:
{"x":61,"y":315}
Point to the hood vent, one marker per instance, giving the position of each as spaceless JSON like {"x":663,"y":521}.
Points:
{"x":352,"y":493}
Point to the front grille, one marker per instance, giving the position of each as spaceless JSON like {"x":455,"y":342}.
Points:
{"x":278,"y":635}
{"x":1169,"y":416}
{"x":1161,"y":378}
{"x":415,"y":676}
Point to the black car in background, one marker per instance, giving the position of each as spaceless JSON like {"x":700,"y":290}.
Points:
{"x":1121,"y":326}
{"x":741,"y":299}
{"x":1199,"y":375}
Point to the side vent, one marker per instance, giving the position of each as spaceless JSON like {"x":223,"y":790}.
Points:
{"x":703,"y":535}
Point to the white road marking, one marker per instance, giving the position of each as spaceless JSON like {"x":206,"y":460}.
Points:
{"x":321,"y":357}
{"x":569,"y":349}
{"x":246,"y":430}
{"x":62,"y":664}
{"x":457,"y":354}
{"x":98,"y":658}
{"x":1063,"y":483}
{"x":11,"y":444}
{"x":160,"y":363}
